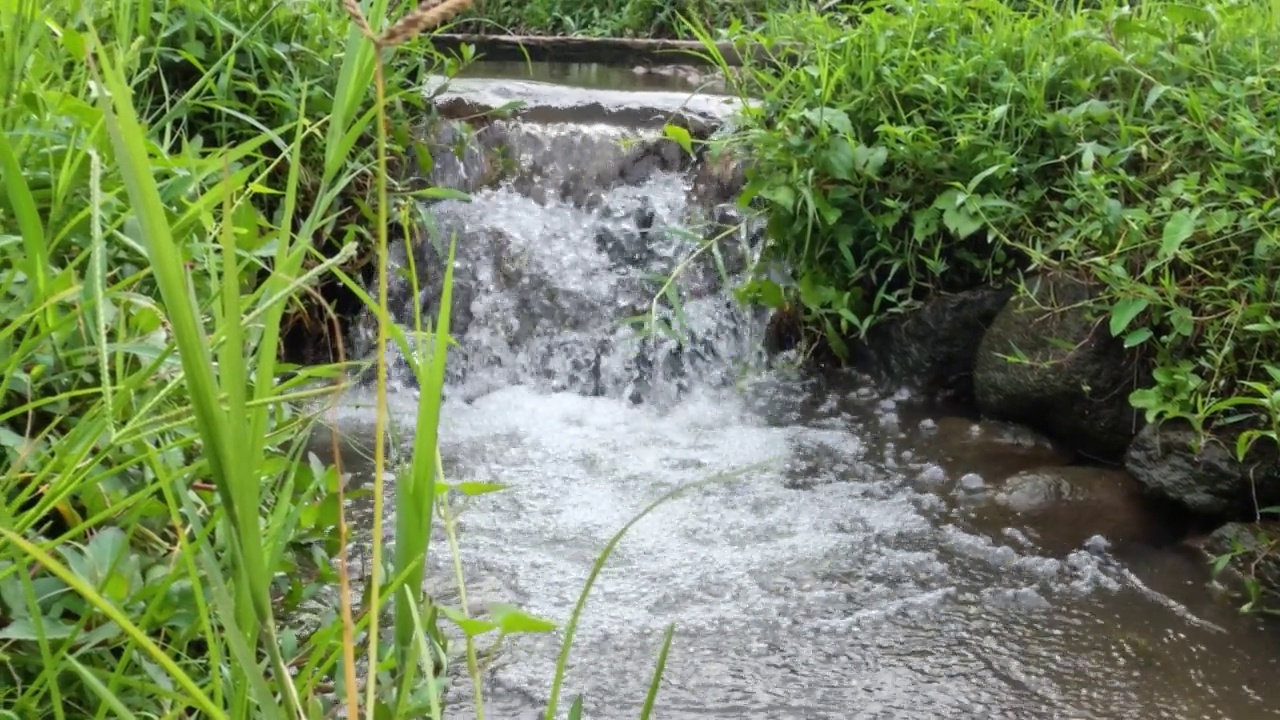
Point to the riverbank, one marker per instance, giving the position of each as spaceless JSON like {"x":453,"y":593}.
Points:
{"x":1057,"y":216}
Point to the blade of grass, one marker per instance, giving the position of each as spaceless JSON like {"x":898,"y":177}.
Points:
{"x":656,"y":682}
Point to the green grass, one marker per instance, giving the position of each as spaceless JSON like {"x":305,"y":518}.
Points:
{"x":179,"y":181}
{"x":618,"y":18}
{"x":904,"y":149}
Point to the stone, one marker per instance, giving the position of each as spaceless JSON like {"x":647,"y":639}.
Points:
{"x":934,"y":347}
{"x":1065,"y":507}
{"x":718,"y":178}
{"x":1253,"y":551}
{"x":1203,"y":475}
{"x":1072,"y":380}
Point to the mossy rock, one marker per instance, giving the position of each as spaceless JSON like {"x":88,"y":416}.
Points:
{"x":1048,"y":361}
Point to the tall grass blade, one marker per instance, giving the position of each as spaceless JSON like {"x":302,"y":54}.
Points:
{"x":23,"y":206}
{"x":656,"y":683}
{"x":415,"y":499}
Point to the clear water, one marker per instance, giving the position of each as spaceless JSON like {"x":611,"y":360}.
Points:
{"x":850,"y":562}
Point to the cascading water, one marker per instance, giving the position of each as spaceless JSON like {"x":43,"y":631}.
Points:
{"x":857,"y":559}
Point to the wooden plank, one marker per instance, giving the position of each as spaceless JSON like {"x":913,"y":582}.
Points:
{"x":623,"y":52}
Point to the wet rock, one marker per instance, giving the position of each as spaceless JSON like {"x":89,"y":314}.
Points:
{"x":1254,"y":549}
{"x":993,"y":450}
{"x":718,"y":177}
{"x":463,"y":157}
{"x":1064,"y":507}
{"x":546,"y":103}
{"x":1172,"y":462}
{"x":933,"y":348}
{"x":1075,"y":379}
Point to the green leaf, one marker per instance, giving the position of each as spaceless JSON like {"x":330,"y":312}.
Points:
{"x":512,"y":620}
{"x":869,"y":160}
{"x":25,"y":629}
{"x":1153,"y":96}
{"x":441,"y":193}
{"x":1123,"y":313}
{"x":1137,"y":337}
{"x":961,"y":222}
{"x":780,"y":195}
{"x":680,"y":136}
{"x":1177,"y":230}
{"x":469,"y":488}
{"x":839,"y":160}
{"x":575,"y":710}
{"x":471,"y":626}
{"x":770,"y":294}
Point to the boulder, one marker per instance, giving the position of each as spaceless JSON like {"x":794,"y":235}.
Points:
{"x":1253,"y":552}
{"x":1063,"y":507}
{"x":1072,"y":379}
{"x":1202,"y":474}
{"x":934,"y":347}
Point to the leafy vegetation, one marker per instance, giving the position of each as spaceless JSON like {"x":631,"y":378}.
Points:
{"x":905,"y":149}
{"x":178,"y":181}
{"x":619,"y":18}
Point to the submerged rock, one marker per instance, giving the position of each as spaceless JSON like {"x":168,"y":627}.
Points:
{"x":1208,"y":480}
{"x":1073,"y":379}
{"x":1063,"y":507}
{"x":994,"y":450}
{"x":934,"y":348}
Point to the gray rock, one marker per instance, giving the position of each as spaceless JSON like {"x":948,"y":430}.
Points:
{"x":1066,"y":507}
{"x":1075,"y":381}
{"x":933,"y":348}
{"x":1207,"y":479}
{"x":1252,"y":550}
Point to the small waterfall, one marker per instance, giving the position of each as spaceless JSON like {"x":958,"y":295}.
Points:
{"x":571,"y":232}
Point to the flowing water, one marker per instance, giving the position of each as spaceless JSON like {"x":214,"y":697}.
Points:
{"x":857,"y":554}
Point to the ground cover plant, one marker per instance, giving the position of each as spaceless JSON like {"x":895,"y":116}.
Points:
{"x":178,"y":179}
{"x":618,"y":18}
{"x":902,"y":149}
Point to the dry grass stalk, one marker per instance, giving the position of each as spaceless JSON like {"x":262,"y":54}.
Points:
{"x":429,"y":14}
{"x":353,"y":9}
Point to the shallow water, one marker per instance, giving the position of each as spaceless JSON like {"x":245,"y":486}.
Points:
{"x":849,"y":561}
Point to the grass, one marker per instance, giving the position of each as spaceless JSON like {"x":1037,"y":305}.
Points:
{"x":181,"y":181}
{"x":618,"y":18}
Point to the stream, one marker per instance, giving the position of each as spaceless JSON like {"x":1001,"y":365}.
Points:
{"x":861,"y":553}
